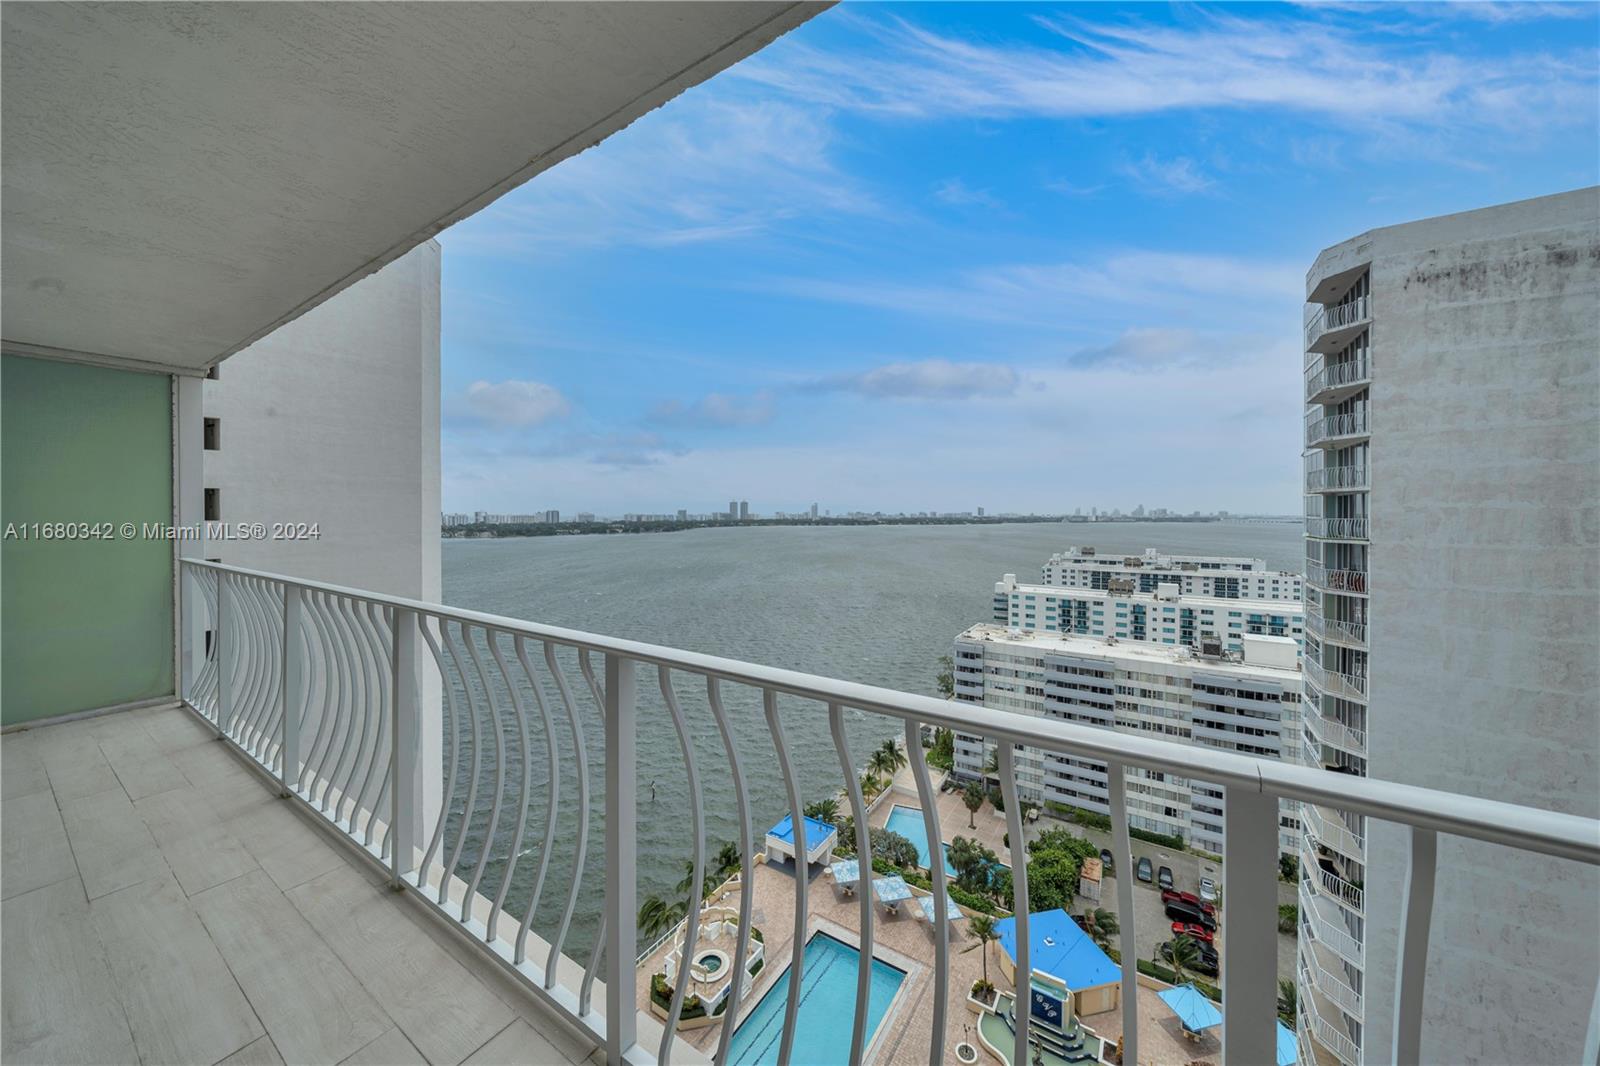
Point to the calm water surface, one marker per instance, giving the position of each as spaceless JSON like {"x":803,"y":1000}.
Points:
{"x":877,"y":605}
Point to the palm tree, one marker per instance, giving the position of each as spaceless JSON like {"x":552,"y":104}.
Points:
{"x":980,"y":927}
{"x":972,"y":796}
{"x":657,"y":915}
{"x":824,"y":810}
{"x":728,"y":860}
{"x":893,"y":757}
{"x":1287,"y":1001}
{"x":1185,"y":956}
{"x":1103,"y":925}
{"x":991,"y":766}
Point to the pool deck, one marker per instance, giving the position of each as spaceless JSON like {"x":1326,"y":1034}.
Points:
{"x":905,"y":941}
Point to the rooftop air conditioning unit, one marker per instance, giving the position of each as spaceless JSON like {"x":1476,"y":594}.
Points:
{"x":1211,"y":649}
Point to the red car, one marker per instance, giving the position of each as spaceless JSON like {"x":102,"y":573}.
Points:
{"x":1171,"y":896}
{"x":1192,"y":931}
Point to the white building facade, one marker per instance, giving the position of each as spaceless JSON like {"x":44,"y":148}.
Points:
{"x":1162,"y":615}
{"x":1246,"y":703}
{"x":1222,"y":576}
{"x":1453,"y":616}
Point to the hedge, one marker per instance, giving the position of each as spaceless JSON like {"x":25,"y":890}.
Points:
{"x":1173,"y":842}
{"x":1154,"y":969}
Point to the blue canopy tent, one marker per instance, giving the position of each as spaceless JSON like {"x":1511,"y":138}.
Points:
{"x":820,"y":837}
{"x":1194,"y":1010}
{"x":1288,"y":1046}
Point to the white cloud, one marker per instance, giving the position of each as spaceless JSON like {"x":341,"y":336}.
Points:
{"x":924,"y":380}
{"x":1319,"y":65}
{"x":510,"y":404}
{"x":957,"y":193}
{"x":1168,"y":176}
{"x":709,"y":168}
{"x":717,"y":410}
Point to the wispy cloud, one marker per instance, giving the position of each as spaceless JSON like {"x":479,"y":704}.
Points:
{"x":1167,"y":177}
{"x":716,"y":410}
{"x":1107,"y":68}
{"x":927,"y":379}
{"x":957,"y":193}
{"x":712,"y":169}
{"x":509,"y":404}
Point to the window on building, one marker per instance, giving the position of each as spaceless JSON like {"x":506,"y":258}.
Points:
{"x":213,"y":374}
{"x":213,"y":503}
{"x":212,"y":434}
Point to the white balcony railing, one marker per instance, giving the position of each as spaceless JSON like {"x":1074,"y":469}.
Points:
{"x":1331,"y":831}
{"x":327,"y":689}
{"x":1337,"y":528}
{"x":1336,"y":579}
{"x":1336,"y":478}
{"x":1337,"y":376}
{"x":1331,"y":985}
{"x":1320,"y":428}
{"x":1331,"y":731}
{"x":1320,"y":928}
{"x":1336,"y":630}
{"x":1329,"y":1035}
{"x":1334,"y":682}
{"x":1337,"y":317}
{"x":1329,"y":884}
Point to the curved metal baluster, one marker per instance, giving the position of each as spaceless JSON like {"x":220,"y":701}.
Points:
{"x":298,"y":703}
{"x":858,"y":809}
{"x":582,"y":757}
{"x":586,"y":989}
{"x":477,"y":758}
{"x":254,"y":661}
{"x":747,"y":879}
{"x":357,"y":672}
{"x":272,"y":614}
{"x":451,"y":726}
{"x":515,"y":854}
{"x":205,"y":680}
{"x":381,"y":640}
{"x":769,"y":702}
{"x":369,"y":708}
{"x":941,"y":893}
{"x":555,"y":796}
{"x":270,"y":655}
{"x":691,"y":933}
{"x":495,"y":731}
{"x":331,"y":689}
{"x":343,"y":696}
{"x":1019,"y":891}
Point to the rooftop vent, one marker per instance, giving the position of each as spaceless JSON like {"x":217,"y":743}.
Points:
{"x":1210,"y":649}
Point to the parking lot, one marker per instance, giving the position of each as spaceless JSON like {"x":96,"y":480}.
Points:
{"x":1151,"y":924}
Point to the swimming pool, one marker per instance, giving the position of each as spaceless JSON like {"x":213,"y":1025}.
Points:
{"x":827,"y":1008}
{"x":907,"y":821}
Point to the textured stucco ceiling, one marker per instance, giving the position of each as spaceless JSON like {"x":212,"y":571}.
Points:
{"x":180,"y":179}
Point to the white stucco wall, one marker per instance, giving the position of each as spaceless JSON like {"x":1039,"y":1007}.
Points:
{"x":1485,"y":607}
{"x":334,"y":419}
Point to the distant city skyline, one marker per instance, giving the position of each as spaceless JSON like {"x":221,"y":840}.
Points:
{"x":904,"y":254}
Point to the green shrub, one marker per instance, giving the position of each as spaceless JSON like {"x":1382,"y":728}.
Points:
{"x":1160,"y":839}
{"x":1154,"y":969}
{"x":1288,"y":918}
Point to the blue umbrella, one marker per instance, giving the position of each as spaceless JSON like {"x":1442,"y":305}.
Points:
{"x":1288,"y":1046}
{"x":1193,"y":1009}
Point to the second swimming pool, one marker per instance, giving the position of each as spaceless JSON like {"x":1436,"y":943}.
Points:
{"x":907,"y":821}
{"x":827,"y":1008}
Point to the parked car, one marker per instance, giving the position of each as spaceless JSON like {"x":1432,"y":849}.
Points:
{"x":1105,"y":859}
{"x":1142,"y":870}
{"x":1164,"y":877}
{"x":1183,"y":912}
{"x":1171,"y":895}
{"x":1207,"y":964}
{"x":1208,"y":890}
{"x":1193,"y":930}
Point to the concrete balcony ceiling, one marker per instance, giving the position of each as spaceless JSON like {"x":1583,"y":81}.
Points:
{"x":180,"y":180}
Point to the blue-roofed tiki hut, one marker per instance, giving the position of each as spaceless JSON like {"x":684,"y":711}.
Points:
{"x":1057,"y":947}
{"x":820,"y":838}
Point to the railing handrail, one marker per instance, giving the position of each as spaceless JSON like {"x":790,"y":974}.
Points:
{"x":1546,"y":832}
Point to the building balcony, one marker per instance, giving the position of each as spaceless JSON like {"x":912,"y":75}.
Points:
{"x":1338,"y":430}
{"x":1328,"y":1035}
{"x":1335,"y":630}
{"x":1336,"y":579}
{"x":1331,"y":328}
{"x":1337,"y":528}
{"x":1330,"y":831}
{"x":1326,"y":883}
{"x":1329,"y":384}
{"x":1336,"y":478}
{"x":1330,"y":985}
{"x":1334,"y":683}
{"x":1328,"y":731}
{"x":349,"y":870}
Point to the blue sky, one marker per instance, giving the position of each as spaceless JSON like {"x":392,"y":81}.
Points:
{"x":1025,"y":257}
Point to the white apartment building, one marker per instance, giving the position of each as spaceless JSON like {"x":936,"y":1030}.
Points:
{"x":1223,"y":576}
{"x":1247,"y":703}
{"x":356,"y":377}
{"x":1162,"y":615}
{"x":1452,"y":619}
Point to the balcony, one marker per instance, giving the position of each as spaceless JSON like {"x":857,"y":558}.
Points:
{"x":1322,"y":929}
{"x":1329,"y":384}
{"x":1335,"y":630}
{"x":1331,"y":985}
{"x":1336,"y":478}
{"x":1328,"y":884}
{"x":1337,"y":528}
{"x":1336,"y":579}
{"x":1329,"y":731}
{"x":1336,"y":431}
{"x":1328,"y":1035}
{"x":1330,"y":831}
{"x":1334,"y":327}
{"x":320,"y":696}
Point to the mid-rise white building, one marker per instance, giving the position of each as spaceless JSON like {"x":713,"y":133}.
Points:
{"x":1224,"y":576}
{"x":1452,"y":442}
{"x":1162,"y":615}
{"x":1247,"y":703}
